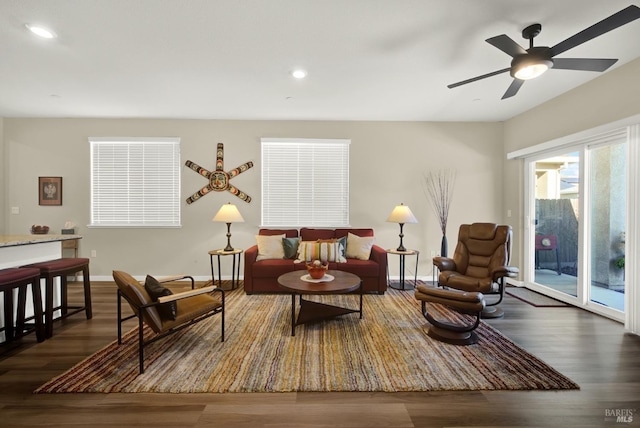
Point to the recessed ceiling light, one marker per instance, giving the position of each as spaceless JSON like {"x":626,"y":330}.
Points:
{"x":299,"y":74}
{"x":41,"y":31}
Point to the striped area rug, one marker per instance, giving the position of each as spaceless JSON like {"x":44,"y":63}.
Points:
{"x":388,"y":350}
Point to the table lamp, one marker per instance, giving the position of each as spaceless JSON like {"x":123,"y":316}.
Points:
{"x":401,"y":214}
{"x":228,"y":213}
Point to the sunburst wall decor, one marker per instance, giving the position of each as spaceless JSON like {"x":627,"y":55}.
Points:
{"x":219,"y":180}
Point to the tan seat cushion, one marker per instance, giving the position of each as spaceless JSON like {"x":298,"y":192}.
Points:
{"x":192,"y":307}
{"x":467,"y":302}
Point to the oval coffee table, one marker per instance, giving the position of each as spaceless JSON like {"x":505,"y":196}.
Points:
{"x":310,"y":311}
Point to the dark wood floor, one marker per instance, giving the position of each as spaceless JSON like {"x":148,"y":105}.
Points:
{"x":593,"y":351}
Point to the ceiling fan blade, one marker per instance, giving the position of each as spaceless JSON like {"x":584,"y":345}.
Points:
{"x":473,"y":79}
{"x":584,"y":64}
{"x":611,"y":23}
{"x":507,"y":45}
{"x":513,"y":88}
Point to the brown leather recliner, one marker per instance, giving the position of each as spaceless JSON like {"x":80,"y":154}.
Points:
{"x":480,"y":263}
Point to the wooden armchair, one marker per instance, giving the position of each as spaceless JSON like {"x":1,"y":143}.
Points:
{"x":191,"y":307}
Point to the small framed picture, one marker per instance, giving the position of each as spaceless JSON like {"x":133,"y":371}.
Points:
{"x":50,"y":190}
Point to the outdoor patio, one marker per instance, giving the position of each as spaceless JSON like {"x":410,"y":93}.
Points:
{"x":567,"y":284}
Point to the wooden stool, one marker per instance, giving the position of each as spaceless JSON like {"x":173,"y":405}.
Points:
{"x":62,"y":268}
{"x":19,"y":278}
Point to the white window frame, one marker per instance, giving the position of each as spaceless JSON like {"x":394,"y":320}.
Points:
{"x":135,"y":182}
{"x":305,"y":182}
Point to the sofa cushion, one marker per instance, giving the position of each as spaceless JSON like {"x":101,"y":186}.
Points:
{"x":270,"y":247}
{"x":359,"y":247}
{"x":327,"y":251}
{"x":362,"y":268}
{"x":273,"y":268}
{"x":290,"y":246}
{"x":341,"y":235}
{"x":290,"y":233}
{"x":308,"y":234}
{"x":359,"y":232}
{"x":343,"y":246}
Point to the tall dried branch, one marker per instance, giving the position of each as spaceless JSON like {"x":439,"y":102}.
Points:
{"x":439,"y":190}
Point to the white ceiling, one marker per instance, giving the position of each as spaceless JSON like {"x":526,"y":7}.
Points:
{"x":231,"y":59}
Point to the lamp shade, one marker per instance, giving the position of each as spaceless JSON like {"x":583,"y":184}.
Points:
{"x":228,"y":213}
{"x":402,"y":214}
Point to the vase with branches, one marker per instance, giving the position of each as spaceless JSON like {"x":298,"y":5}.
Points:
{"x":439,"y":190}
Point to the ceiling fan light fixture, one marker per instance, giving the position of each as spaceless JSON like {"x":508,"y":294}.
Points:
{"x":532,"y":62}
{"x":527,"y":67}
{"x":530,"y":71}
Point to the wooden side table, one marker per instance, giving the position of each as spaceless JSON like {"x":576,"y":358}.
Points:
{"x":235,"y":270}
{"x":71,"y":244}
{"x":403,"y":254}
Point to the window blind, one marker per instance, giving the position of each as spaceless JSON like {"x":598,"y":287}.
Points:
{"x":135,"y":182}
{"x":305,"y":182}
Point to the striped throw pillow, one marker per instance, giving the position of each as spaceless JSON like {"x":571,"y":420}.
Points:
{"x":309,"y":251}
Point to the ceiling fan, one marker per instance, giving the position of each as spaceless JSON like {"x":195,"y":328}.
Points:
{"x":532,"y":62}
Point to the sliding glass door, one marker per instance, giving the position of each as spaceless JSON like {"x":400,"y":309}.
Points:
{"x":557,"y":202}
{"x":577,"y":198}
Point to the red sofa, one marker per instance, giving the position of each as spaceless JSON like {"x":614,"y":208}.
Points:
{"x":262,"y":276}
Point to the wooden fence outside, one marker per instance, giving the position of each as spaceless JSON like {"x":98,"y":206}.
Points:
{"x":557,"y":217}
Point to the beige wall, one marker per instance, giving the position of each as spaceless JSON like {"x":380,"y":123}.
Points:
{"x":387,"y":163}
{"x":388,"y":160}
{"x":609,"y":98}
